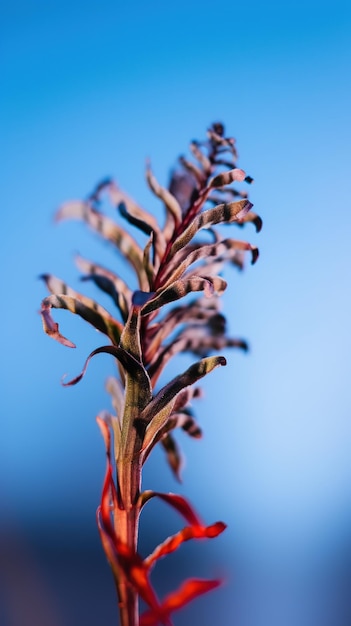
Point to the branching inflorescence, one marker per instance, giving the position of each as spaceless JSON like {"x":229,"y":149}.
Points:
{"x":178,"y":259}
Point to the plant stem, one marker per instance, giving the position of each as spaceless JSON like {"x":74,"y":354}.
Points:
{"x":126,"y":527}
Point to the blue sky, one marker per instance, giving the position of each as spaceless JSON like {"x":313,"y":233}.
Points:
{"x":92,"y":89}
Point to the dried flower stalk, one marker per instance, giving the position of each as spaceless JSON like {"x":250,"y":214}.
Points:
{"x":176,"y":260}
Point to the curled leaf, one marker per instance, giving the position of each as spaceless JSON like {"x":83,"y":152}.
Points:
{"x":51,"y":327}
{"x":251,"y":217}
{"x":97,"y":317}
{"x":130,"y":364}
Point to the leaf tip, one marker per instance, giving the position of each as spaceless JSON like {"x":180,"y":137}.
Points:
{"x":255,"y":254}
{"x":51,"y":327}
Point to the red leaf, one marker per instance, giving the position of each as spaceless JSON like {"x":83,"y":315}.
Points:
{"x":189,"y":532}
{"x":188,"y":591}
{"x":195,"y":530}
{"x":178,"y":502}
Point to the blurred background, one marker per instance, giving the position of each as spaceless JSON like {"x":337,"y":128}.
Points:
{"x":89,"y":90}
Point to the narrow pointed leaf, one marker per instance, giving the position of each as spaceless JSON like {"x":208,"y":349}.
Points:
{"x":170,"y":445}
{"x":187,"y":422}
{"x":197,"y":312}
{"x":131,"y":210}
{"x":170,"y":202}
{"x":198,"y":174}
{"x":157,"y":412}
{"x":188,"y":591}
{"x":221,"y":214}
{"x":109,"y":230}
{"x":95,"y":195}
{"x":149,"y":270}
{"x":180,"y":504}
{"x":181,"y":287}
{"x":153,"y":430}
{"x":113,"y":423}
{"x":171,"y":544}
{"x":147,"y":224}
{"x":108,"y":282}
{"x":51,"y":327}
{"x":129,"y":363}
{"x":185,"y":397}
{"x":135,"y":221}
{"x":192,"y":340}
{"x":109,"y":492}
{"x":114,"y":387}
{"x":201,"y":157}
{"x":225,"y":178}
{"x":251,"y":217}
{"x":169,"y":392}
{"x":183,"y":420}
{"x":91,"y":312}
{"x":173,"y":454}
{"x":224,"y":248}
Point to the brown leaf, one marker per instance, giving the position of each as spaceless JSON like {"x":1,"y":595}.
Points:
{"x":173,"y":454}
{"x":167,"y":198}
{"x":225,"y":178}
{"x":201,"y":157}
{"x":181,"y":287}
{"x":51,"y":328}
{"x":108,"y":282}
{"x":109,"y":230}
{"x":86,"y":308}
{"x":221,"y":214}
{"x":158,"y":410}
{"x":226,"y":248}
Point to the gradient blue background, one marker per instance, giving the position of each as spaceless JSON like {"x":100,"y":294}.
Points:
{"x":91,"y":89}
